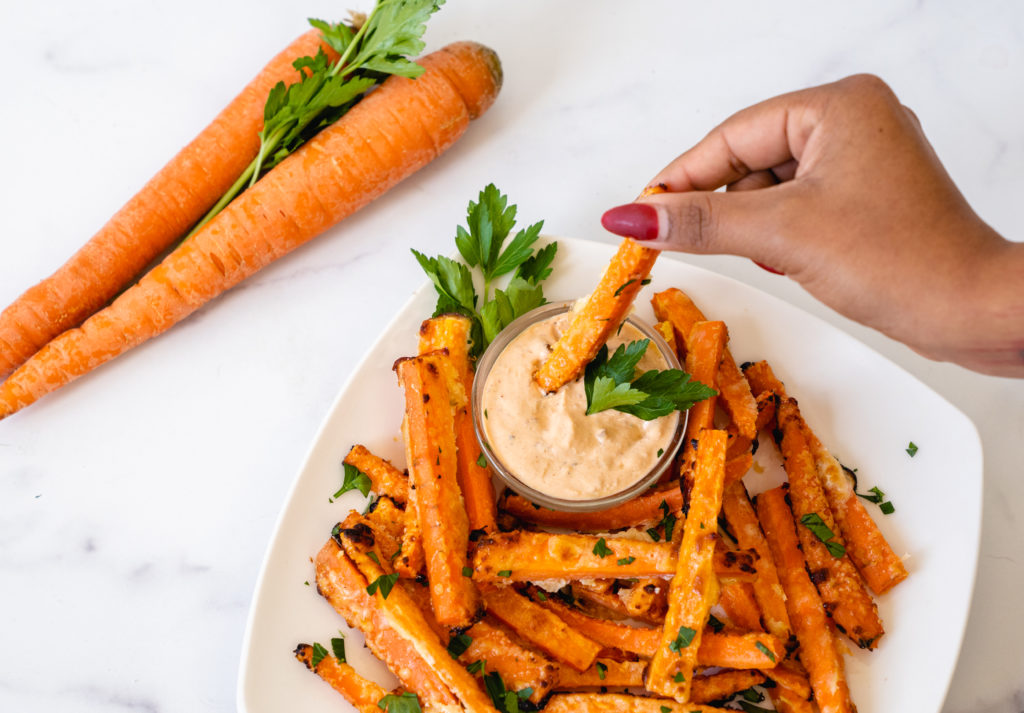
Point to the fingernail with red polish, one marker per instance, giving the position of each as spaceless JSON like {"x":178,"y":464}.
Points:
{"x":769,"y":269}
{"x":633,"y":220}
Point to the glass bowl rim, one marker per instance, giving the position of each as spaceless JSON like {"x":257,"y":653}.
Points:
{"x":483,"y":367}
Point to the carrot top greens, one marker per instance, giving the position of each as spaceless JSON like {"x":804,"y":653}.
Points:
{"x":368,"y":53}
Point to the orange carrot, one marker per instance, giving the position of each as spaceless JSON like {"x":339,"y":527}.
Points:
{"x":362,"y":693}
{"x":395,"y":130}
{"x":621,"y":703}
{"x":158,"y":215}
{"x":740,"y":604}
{"x":695,"y":588}
{"x":541,"y":627}
{"x":840,"y":585}
{"x":520,"y":666}
{"x":719,"y":686}
{"x":385,"y":479}
{"x":705,"y":345}
{"x":592,"y":324}
{"x":676,"y":307}
{"x":742,"y":520}
{"x":432,"y":396}
{"x":451,"y":332}
{"x":642,"y":509}
{"x":605,"y":673}
{"x":818,"y":650}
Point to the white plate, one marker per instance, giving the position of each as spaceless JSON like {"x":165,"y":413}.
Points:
{"x":863,"y":407}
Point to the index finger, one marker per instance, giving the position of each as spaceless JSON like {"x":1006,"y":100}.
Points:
{"x":757,"y":138}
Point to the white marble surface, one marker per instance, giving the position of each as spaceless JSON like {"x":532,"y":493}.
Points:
{"x":137,"y":503}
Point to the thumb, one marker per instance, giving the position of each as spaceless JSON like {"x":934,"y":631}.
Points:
{"x":745,"y":223}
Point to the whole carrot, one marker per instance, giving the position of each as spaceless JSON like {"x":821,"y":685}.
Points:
{"x":151,"y":221}
{"x":395,"y":131}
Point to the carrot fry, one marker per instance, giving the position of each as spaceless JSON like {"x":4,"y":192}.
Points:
{"x":742,"y":520}
{"x":397,"y":129}
{"x":787,"y":700}
{"x":818,"y":649}
{"x":736,"y":468}
{"x":705,"y":345}
{"x":344,"y":586}
{"x":677,"y":308}
{"x":592,"y":323}
{"x":642,"y":641}
{"x":541,"y":627}
{"x":605,"y":673}
{"x":720,"y":686}
{"x":874,"y":558}
{"x":152,"y":220}
{"x":765,"y":410}
{"x":451,"y":332}
{"x":740,"y":604}
{"x":608,"y":605}
{"x":385,"y":479}
{"x":744,"y":651}
{"x":520,"y":667}
{"x":668,"y":334}
{"x":841,"y":586}
{"x":522,"y":556}
{"x":694,"y":587}
{"x":411,"y":559}
{"x":791,"y":675}
{"x":386,"y":518}
{"x":620,"y":703}
{"x":762,"y":379}
{"x":642,"y":509}
{"x":358,"y":536}
{"x":362,"y":693}
{"x":645,"y":597}
{"x":432,"y":396}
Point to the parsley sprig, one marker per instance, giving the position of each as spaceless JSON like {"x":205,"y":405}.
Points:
{"x":489,"y":222}
{"x":611,"y":383}
{"x":813,"y":522}
{"x":367,"y":54}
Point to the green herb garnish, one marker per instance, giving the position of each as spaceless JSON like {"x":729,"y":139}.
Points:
{"x":504,"y":573}
{"x":405,"y":703}
{"x":467,"y":571}
{"x":481,"y":461}
{"x":626,"y":560}
{"x":601,"y":549}
{"x":611,"y":383}
{"x":602,"y":669}
{"x":355,"y":479}
{"x":683,"y":639}
{"x":457,"y":645}
{"x":911,"y":449}
{"x":765,"y":650}
{"x":338,"y":647}
{"x":489,"y":221}
{"x":319,"y":653}
{"x":813,"y":522}
{"x":384,"y":583}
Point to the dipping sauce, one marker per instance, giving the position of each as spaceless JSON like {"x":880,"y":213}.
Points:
{"x":548,"y":441}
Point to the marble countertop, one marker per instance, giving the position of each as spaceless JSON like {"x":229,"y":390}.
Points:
{"x":138,"y":502}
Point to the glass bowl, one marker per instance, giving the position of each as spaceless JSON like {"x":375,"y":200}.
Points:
{"x":483,"y":367}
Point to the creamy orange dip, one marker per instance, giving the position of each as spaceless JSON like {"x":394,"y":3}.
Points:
{"x":548,"y":442}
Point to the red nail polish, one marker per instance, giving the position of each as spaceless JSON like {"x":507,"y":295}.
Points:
{"x":769,"y":269}
{"x":633,"y":220}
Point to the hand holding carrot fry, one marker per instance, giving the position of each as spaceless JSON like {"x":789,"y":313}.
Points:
{"x":838,"y":188}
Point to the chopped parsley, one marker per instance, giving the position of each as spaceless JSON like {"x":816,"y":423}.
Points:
{"x":481,"y":461}
{"x":602,"y":669}
{"x":355,"y":479}
{"x":911,"y":449}
{"x":373,"y":555}
{"x":384,"y":584}
{"x":668,"y":520}
{"x":457,"y":645}
{"x":623,"y":286}
{"x":765,"y":650}
{"x":541,"y":595}
{"x":338,"y":647}
{"x":467,"y":571}
{"x":611,"y":383}
{"x":319,"y":654}
{"x":683,"y":639}
{"x":887,"y":508}
{"x":601,"y":549}
{"x":504,"y":573}
{"x":679,"y":677}
{"x":477,"y":666}
{"x":625,"y":560}
{"x":407,"y":702}
{"x":813,"y":522}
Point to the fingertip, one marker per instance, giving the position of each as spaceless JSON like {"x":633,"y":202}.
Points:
{"x":633,"y":220}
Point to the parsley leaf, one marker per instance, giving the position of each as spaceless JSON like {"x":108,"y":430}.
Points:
{"x":504,"y":573}
{"x":611,"y":383}
{"x":384,"y":583}
{"x":338,"y":647}
{"x":489,"y":221}
{"x":602,"y":669}
{"x":679,"y":677}
{"x":319,"y":654}
{"x":887,"y":508}
{"x":405,"y":703}
{"x":355,"y":479}
{"x":601,"y":549}
{"x":626,"y":560}
{"x":683,"y":639}
{"x":481,"y":462}
{"x":668,"y":520}
{"x":477,"y":666}
{"x":912,"y":449}
{"x":813,"y":522}
{"x":765,"y":650}
{"x":457,"y":645}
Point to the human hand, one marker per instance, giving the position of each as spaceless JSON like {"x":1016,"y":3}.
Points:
{"x":838,"y":188}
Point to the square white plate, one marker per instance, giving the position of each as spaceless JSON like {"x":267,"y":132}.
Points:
{"x":863,"y":407}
